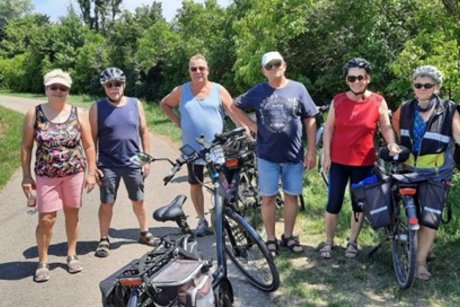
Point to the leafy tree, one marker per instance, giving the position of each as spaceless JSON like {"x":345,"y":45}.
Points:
{"x":99,"y":14}
{"x":11,"y":9}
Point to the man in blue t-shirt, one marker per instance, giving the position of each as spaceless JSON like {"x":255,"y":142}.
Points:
{"x":281,"y":105}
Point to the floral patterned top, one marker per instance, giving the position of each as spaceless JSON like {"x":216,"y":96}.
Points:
{"x":59,"y":149}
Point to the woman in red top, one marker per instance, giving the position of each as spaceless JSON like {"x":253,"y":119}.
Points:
{"x":349,"y":152}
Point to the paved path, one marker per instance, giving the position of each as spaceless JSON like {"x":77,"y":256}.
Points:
{"x":19,"y":256}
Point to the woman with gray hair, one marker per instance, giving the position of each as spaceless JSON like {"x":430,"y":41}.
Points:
{"x":65,"y":152}
{"x":429,"y":127}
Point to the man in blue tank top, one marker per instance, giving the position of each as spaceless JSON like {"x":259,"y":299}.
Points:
{"x":119,"y":132}
{"x":201,"y":106}
{"x":281,"y":106}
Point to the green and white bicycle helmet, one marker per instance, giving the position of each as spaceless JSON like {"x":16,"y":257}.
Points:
{"x":429,"y":71}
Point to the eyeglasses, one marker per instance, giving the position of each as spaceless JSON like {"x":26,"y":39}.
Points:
{"x":57,"y":87}
{"x":113,"y":84}
{"x":275,"y":65}
{"x":353,"y":79}
{"x":423,"y":85}
{"x":200,"y":68}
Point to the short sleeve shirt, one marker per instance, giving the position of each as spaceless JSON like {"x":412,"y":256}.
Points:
{"x":280,"y":113}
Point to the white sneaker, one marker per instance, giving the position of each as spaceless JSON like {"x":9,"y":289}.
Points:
{"x":202,"y":229}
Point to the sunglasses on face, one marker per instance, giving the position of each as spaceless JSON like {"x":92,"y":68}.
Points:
{"x":423,"y":85}
{"x":353,"y":79}
{"x":113,"y":84}
{"x":275,"y":65}
{"x":200,"y":68}
{"x":58,"y":87}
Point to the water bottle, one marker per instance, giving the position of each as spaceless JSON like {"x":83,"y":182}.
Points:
{"x":32,"y":203}
{"x":411,"y":213}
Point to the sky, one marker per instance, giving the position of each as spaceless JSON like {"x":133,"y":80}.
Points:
{"x":58,"y":8}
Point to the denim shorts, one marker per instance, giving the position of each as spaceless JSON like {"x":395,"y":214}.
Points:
{"x":270,"y":173}
{"x":132,"y":177}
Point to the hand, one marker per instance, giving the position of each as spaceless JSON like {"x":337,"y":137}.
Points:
{"x":394,"y":149}
{"x":90,"y":182}
{"x":28,"y":184}
{"x":310,"y":160}
{"x":146,"y":170}
{"x":326,"y":164}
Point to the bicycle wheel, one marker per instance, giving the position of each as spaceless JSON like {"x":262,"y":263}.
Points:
{"x":248,"y":252}
{"x":248,"y":202}
{"x":403,"y":248}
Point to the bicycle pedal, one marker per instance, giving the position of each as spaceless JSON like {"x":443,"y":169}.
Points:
{"x":414,"y":226}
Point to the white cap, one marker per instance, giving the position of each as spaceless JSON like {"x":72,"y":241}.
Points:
{"x":57,"y":76}
{"x":271,"y":56}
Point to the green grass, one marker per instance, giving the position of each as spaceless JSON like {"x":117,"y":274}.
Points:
{"x":10,"y":143}
{"x":307,"y":280}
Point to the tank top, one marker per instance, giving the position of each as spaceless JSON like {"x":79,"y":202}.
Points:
{"x":59,"y":150}
{"x":200,"y":116}
{"x":118,"y":133}
{"x":354,"y":131}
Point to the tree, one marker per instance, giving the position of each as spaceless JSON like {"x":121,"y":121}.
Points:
{"x":11,"y":9}
{"x":99,"y":14}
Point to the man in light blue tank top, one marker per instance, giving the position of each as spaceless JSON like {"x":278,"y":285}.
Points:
{"x":201,"y":106}
{"x":119,"y":131}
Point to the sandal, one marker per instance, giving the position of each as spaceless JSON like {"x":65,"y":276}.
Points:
{"x":422,"y":272}
{"x":292,"y":243}
{"x":147,"y":239}
{"x":272,"y":246}
{"x":352,"y":250}
{"x":74,"y":264}
{"x":102,"y":249}
{"x":42,"y":273}
{"x":326,"y":251}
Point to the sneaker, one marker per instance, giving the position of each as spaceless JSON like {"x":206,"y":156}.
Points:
{"x":202,"y":229}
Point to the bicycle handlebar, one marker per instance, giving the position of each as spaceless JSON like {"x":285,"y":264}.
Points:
{"x":384,"y":154}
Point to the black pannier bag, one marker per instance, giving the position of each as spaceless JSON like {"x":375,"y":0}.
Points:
{"x":172,"y":280}
{"x":376,"y":201}
{"x":432,"y":197}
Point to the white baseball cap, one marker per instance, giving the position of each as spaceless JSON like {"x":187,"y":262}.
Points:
{"x":271,"y":56}
{"x":57,"y":76}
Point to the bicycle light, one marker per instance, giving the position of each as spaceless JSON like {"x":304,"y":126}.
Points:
{"x":130,"y":281}
{"x":231,"y":163}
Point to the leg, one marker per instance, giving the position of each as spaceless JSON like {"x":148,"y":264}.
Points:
{"x":195,"y":178}
{"x":426,"y":238}
{"x":141,"y":215}
{"x":268,"y":211}
{"x":108,"y":194}
{"x":72,"y":228}
{"x":105,"y":217}
{"x":44,"y":234}
{"x":290,"y":213}
{"x":197,"y":196}
{"x":331,"y":225}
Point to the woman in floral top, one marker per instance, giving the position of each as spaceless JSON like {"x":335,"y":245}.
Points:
{"x":65,"y":150}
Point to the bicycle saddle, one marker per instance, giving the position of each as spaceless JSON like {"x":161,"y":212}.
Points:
{"x":172,"y":211}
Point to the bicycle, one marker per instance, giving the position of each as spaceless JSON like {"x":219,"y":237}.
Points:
{"x":234,"y":235}
{"x":319,"y":140}
{"x":403,"y":226}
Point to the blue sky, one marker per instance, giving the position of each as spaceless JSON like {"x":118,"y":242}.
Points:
{"x":58,"y":8}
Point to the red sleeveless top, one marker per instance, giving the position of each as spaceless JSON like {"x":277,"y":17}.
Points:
{"x":354,"y":130}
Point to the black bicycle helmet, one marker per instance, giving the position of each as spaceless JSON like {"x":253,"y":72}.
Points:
{"x":357,"y":63}
{"x":112,"y":73}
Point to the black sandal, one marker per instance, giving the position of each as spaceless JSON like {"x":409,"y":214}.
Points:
{"x":272,"y":246}
{"x":292,"y":243}
{"x":102,"y":249}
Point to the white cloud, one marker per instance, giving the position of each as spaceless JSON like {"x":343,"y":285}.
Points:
{"x":58,"y":8}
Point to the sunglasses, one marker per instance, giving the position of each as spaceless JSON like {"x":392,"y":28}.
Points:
{"x":353,"y":79}
{"x":58,"y":87}
{"x":275,"y":65}
{"x":113,"y":84}
{"x":423,"y":85}
{"x":200,"y":68}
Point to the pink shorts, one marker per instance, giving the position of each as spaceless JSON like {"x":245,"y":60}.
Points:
{"x":54,"y":193}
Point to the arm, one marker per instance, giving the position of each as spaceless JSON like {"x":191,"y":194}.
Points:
{"x":327,"y":137}
{"x":310,"y":130}
{"x":227,"y":101}
{"x":145,"y":137}
{"x":170,"y":102}
{"x":386,"y":130}
{"x":28,"y":183}
{"x":94,"y":134}
{"x":90,"y":152}
{"x":243,"y":117}
{"x":395,"y":120}
{"x":456,"y":127}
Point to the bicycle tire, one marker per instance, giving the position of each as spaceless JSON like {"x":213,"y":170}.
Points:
{"x":248,"y":252}
{"x":248,"y":201}
{"x":403,"y":248}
